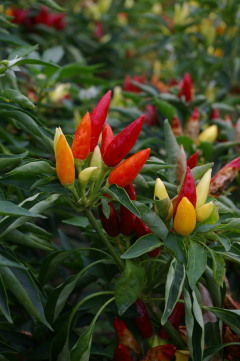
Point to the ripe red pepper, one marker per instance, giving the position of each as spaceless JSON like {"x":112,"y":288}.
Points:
{"x":98,"y":116}
{"x":111,"y":224}
{"x":127,"y":171}
{"x":215,"y":114}
{"x":192,"y":160}
{"x":186,"y":88}
{"x":142,"y":229}
{"x":187,"y":190}
{"x":143,"y":322}
{"x":123,"y":143}
{"x":127,"y":218}
{"x":82,"y":139}
{"x":125,"y":336}
{"x":121,"y":353}
{"x":107,"y":137}
{"x":151,"y":117}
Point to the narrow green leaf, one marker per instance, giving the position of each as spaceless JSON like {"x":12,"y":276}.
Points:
{"x":4,"y":302}
{"x":173,"y":289}
{"x":9,"y":160}
{"x":212,"y":351}
{"x":39,"y":167}
{"x":172,"y":149}
{"x":230,"y":317}
{"x":16,"y":97}
{"x":11,"y":209}
{"x":197,"y":262}
{"x":143,"y":245}
{"x":51,"y":4}
{"x":77,"y":221}
{"x":199,"y":171}
{"x":129,"y":286}
{"x":219,"y":269}
{"x":176,"y":244}
{"x":167,"y":110}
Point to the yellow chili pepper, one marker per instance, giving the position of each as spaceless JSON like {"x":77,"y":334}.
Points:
{"x":204,"y":212}
{"x":161,"y":193}
{"x":209,"y":134}
{"x":64,"y":159}
{"x":185,"y":218}
{"x":182,"y":355}
{"x":202,"y":188}
{"x":96,"y":161}
{"x":86,"y":174}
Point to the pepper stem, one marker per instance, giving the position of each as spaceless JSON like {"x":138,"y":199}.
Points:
{"x":103,"y":238}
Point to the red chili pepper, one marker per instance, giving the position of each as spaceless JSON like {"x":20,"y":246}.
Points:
{"x":192,"y":160}
{"x":127,"y":218}
{"x":224,"y":177}
{"x":107,"y":137}
{"x":215,"y":114}
{"x":127,"y":171}
{"x":111,"y":224}
{"x":176,"y":126}
{"x":186,"y":88}
{"x":151,"y":117}
{"x":98,"y":116}
{"x":123,"y":143}
{"x":187,"y":190}
{"x":82,"y":139}
{"x":125,"y":336}
{"x":142,"y":229}
{"x":129,"y":86}
{"x":143,"y":322}
{"x":121,"y":353}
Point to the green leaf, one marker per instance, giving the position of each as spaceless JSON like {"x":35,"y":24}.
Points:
{"x":22,"y":51}
{"x":119,"y":195}
{"x":23,"y":239}
{"x":4,"y":302}
{"x":21,"y":61}
{"x":152,"y":220}
{"x":230,"y":224}
{"x":51,"y":4}
{"x":10,"y":209}
{"x":172,"y":149}
{"x":9,"y":160}
{"x":197,"y":262}
{"x":167,"y":110}
{"x":230,"y":317}
{"x":16,"y":97}
{"x":143,"y":245}
{"x":176,"y":244}
{"x":39,"y":167}
{"x":219,"y":269}
{"x":212,"y":351}
{"x":80,"y":221}
{"x":173,"y":289}
{"x":129,"y":286}
{"x":199,"y":171}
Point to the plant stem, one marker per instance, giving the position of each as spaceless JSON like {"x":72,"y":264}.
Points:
{"x":104,"y":239}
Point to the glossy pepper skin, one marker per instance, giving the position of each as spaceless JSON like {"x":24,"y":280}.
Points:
{"x":209,"y":134}
{"x":64,"y":159}
{"x":82,"y":139}
{"x":224,"y":177}
{"x":202,"y":188}
{"x":121,"y":353}
{"x":107,"y":137}
{"x":98,"y":116}
{"x":187,"y":190}
{"x":142,"y":229}
{"x":185,"y":217}
{"x":192,"y":160}
{"x":161,"y":353}
{"x":123,"y":143}
{"x":125,"y":336}
{"x":186,"y":88}
{"x":143,"y":322}
{"x":127,"y":171}
{"x":127,"y":218}
{"x":111,"y":224}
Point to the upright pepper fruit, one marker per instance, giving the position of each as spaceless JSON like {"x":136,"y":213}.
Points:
{"x":186,"y":88}
{"x":123,"y":143}
{"x":121,"y":353}
{"x":64,"y":159}
{"x":161,"y":193}
{"x":185,"y":218}
{"x":143,"y":322}
{"x":127,"y":218}
{"x":82,"y":139}
{"x":224,"y":177}
{"x":192,"y":160}
{"x":110,"y":224}
{"x":209,"y":134}
{"x":188,"y":190}
{"x":98,"y":116}
{"x":125,"y":336}
{"x":192,"y":126}
{"x":127,"y":171}
{"x":176,"y":126}
{"x":181,"y":164}
{"x":107,"y":137}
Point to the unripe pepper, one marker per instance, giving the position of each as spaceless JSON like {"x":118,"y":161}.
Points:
{"x":161,"y":193}
{"x":107,"y":137}
{"x":185,"y":218}
{"x":64,"y":159}
{"x":82,"y":139}
{"x":202,"y":188}
{"x":127,"y":171}
{"x":110,"y":224}
{"x":143,"y":322}
{"x":123,"y":143}
{"x":86,"y":174}
{"x":127,"y":218}
{"x":192,"y":160}
{"x":96,"y":161}
{"x":209,"y":134}
{"x":187,"y":190}
{"x":176,"y":126}
{"x":142,"y":230}
{"x":224,"y":177}
{"x":186,"y":88}
{"x":125,"y":336}
{"x":121,"y":353}
{"x":204,"y":212}
{"x":192,"y":126}
{"x":98,"y":116}
{"x":181,"y":164}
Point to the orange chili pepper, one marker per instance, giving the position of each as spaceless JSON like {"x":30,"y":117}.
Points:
{"x":64,"y":160}
{"x":82,"y":139}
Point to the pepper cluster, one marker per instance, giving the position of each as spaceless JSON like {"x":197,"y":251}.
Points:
{"x":94,"y":163}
